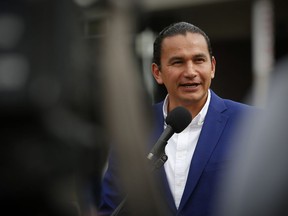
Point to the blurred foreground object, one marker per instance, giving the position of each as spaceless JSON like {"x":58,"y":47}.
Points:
{"x":257,"y":182}
{"x":52,"y":144}
{"x":128,"y":112}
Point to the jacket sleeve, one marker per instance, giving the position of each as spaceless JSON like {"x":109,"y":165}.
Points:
{"x":110,"y":188}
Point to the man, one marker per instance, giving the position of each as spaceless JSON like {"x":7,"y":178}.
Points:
{"x":184,"y":63}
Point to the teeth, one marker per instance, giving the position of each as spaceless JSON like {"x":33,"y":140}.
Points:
{"x":190,"y":85}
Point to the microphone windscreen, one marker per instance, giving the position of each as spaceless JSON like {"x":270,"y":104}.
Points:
{"x":179,"y":118}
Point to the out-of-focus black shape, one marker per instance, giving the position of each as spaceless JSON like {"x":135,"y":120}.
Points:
{"x":53,"y":147}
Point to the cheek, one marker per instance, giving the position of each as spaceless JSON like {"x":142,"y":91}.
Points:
{"x":209,"y":74}
{"x":165,"y":81}
{"x":174,"y":74}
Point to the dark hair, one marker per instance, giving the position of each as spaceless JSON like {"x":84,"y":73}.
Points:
{"x":175,"y":29}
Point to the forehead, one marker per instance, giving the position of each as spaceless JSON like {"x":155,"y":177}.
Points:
{"x":188,"y":41}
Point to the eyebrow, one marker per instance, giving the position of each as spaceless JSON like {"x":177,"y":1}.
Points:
{"x":200,"y":55}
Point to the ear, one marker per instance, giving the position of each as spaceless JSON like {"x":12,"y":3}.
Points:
{"x":213,"y":67}
{"x":157,"y":73}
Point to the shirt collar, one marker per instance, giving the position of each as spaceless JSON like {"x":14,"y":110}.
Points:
{"x":199,"y":118}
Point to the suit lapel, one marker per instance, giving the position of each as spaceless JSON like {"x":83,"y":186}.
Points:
{"x":213,"y":126}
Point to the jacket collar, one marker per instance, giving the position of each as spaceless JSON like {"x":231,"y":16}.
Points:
{"x":214,"y":124}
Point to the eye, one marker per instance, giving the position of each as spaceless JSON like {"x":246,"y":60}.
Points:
{"x":177,"y":62}
{"x":200,"y":60}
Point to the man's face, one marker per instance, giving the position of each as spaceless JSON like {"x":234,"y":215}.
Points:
{"x":186,"y":69}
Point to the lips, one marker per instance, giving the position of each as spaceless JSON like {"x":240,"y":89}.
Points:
{"x":190,"y":85}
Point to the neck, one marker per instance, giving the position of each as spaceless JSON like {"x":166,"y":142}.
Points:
{"x":193,"y":108}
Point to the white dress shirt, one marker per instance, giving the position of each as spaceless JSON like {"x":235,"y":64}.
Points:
{"x":180,"y":149}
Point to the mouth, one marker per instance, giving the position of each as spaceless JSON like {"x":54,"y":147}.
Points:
{"x":190,"y":85}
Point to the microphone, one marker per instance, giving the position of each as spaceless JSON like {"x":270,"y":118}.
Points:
{"x":177,"y":120}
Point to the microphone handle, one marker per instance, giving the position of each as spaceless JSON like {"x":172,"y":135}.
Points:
{"x":159,"y":147}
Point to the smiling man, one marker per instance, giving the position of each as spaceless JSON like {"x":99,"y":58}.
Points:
{"x":186,"y":68}
{"x":184,"y":64}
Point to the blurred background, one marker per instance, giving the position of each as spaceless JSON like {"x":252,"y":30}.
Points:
{"x":73,"y":73}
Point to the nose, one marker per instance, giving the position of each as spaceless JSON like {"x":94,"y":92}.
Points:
{"x":190,"y":69}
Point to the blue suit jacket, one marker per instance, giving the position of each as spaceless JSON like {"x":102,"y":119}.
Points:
{"x":210,"y":158}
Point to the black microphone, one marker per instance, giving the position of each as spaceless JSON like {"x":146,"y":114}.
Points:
{"x":177,"y":120}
